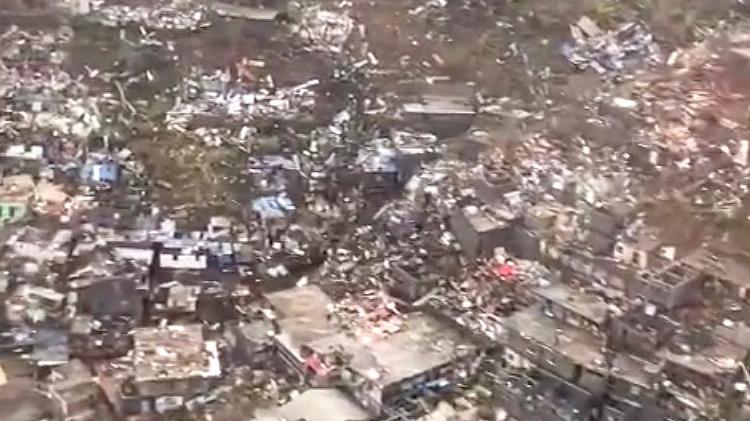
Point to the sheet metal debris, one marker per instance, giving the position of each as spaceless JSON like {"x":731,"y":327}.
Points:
{"x":610,"y":52}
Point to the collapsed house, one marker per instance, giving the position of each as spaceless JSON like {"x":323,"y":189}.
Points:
{"x":377,"y":368}
{"x":170,"y":365}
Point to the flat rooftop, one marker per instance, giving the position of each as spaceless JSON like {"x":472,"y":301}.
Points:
{"x":302,"y":314}
{"x":635,"y":370}
{"x":481,"y":220}
{"x":576,"y":344}
{"x":731,"y":267}
{"x":720,"y":359}
{"x":323,"y":405}
{"x":589,"y":306}
{"x":174,"y":352}
{"x":421,"y":343}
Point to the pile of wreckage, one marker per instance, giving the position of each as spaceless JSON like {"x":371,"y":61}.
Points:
{"x":364,"y":273}
{"x":170,"y":15}
{"x":212,"y":98}
{"x":324,"y":30}
{"x":610,"y":52}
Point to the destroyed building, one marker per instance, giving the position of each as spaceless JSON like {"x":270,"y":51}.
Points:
{"x":576,"y":355}
{"x":271,"y":210}
{"x":377,"y":369}
{"x":479,"y":231}
{"x":170,"y":365}
{"x":672,"y":286}
{"x":75,"y":394}
{"x":641,"y":331}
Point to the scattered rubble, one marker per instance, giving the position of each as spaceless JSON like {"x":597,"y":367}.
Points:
{"x":324,"y":30}
{"x":334,"y":215}
{"x":170,"y":15}
{"x":610,"y":52}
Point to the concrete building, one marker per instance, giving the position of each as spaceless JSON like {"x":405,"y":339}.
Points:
{"x":574,"y":307}
{"x":378,"y":370}
{"x":478,"y":231}
{"x":410,"y":282}
{"x":702,"y":363}
{"x":640,"y":333}
{"x":170,"y":365}
{"x":537,"y":341}
{"x":75,"y":395}
{"x":675,"y":285}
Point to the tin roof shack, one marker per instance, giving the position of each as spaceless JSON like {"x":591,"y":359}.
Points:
{"x":641,"y":333}
{"x":16,"y":193}
{"x":172,"y":364}
{"x":539,"y":396}
{"x":74,"y":394}
{"x":378,"y":368}
{"x":479,"y":231}
{"x":175,"y":256}
{"x":645,"y":409}
{"x":574,"y":307}
{"x":673,"y":286}
{"x":574,"y":354}
{"x":444,"y":113}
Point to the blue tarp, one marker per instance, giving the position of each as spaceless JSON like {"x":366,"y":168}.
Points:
{"x":273,"y":207}
{"x":100,"y":172}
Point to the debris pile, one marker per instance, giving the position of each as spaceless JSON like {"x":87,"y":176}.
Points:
{"x":211,"y":98}
{"x":610,"y":52}
{"x":171,"y":15}
{"x":325,"y":30}
{"x":707,"y":75}
{"x":369,"y":313}
{"x":195,"y":218}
